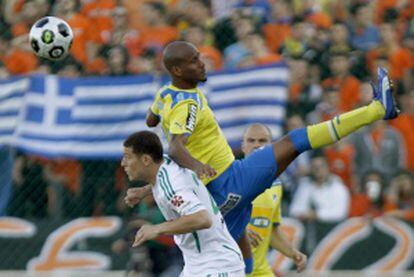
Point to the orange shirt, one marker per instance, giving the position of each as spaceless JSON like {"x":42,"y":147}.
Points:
{"x":212,"y":53}
{"x":100,"y":13}
{"x":19,"y":29}
{"x":320,"y":20}
{"x":340,"y":162}
{"x":381,"y":7}
{"x":268,"y":59}
{"x":69,"y":170}
{"x":404,"y":124}
{"x":399,"y":60}
{"x":348,"y":91}
{"x":20,"y":62}
{"x":158,"y":37}
{"x":83,"y":32}
{"x":361,"y":205}
{"x":275,"y":35}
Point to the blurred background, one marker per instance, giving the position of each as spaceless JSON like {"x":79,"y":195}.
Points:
{"x":60,"y":195}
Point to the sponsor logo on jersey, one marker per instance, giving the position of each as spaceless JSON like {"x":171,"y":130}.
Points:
{"x":191,"y":118}
{"x":260,"y":222}
{"x":231,"y":202}
{"x":177,"y":200}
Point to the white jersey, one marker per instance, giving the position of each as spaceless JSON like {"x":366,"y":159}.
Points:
{"x":178,"y":192}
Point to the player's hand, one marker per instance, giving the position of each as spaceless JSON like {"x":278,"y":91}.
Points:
{"x":300,"y":260}
{"x":254,"y":238}
{"x":135,"y":195}
{"x":146,"y":232}
{"x":205,"y":170}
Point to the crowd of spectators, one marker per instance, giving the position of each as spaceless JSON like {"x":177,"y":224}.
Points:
{"x":332,"y":48}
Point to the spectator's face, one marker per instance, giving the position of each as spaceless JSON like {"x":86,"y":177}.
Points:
{"x":387,"y":33}
{"x":332,"y":98}
{"x":4,"y":73}
{"x":120,"y":17}
{"x":299,"y":70}
{"x":69,"y":71}
{"x":409,"y":107}
{"x":373,"y":187}
{"x":365,"y":93}
{"x":244,"y":26}
{"x":364,"y":16}
{"x":339,"y":65}
{"x":339,"y":34}
{"x":298,"y":31}
{"x":150,"y":15}
{"x":319,"y":169}
{"x":405,"y":185}
{"x":280,"y":9}
{"x":255,"y":137}
{"x":116,"y":58}
{"x":195,"y":35}
{"x":66,"y":6}
{"x":294,"y":122}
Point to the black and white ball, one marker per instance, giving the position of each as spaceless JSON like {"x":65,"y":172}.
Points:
{"x":51,"y":38}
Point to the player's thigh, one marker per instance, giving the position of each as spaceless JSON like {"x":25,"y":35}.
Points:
{"x":256,"y":173}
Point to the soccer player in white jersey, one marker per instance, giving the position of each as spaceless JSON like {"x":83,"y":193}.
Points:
{"x":191,"y":213}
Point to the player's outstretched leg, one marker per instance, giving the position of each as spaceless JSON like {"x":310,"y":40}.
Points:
{"x":383,"y":106}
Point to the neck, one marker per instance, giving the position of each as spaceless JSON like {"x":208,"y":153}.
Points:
{"x":153,"y":171}
{"x":183,"y":84}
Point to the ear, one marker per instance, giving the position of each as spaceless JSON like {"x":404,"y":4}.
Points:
{"x":176,"y":70}
{"x":146,"y":159}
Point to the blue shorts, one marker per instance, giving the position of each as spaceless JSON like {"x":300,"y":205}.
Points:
{"x":236,"y":188}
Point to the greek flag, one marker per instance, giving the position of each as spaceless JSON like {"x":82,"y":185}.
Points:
{"x":89,"y":118}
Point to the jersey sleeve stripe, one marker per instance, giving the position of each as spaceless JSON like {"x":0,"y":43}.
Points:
{"x":168,"y":180}
{"x":197,"y":241}
{"x":167,"y":194}
{"x":232,"y":249}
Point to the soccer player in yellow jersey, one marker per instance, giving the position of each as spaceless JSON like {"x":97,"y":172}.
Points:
{"x":263,"y":229}
{"x":196,"y":141}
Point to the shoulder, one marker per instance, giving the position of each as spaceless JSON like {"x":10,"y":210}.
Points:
{"x":180,"y":97}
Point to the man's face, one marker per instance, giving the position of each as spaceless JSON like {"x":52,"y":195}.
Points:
{"x":192,"y":67}
{"x":254,"y":138}
{"x":132,"y":164}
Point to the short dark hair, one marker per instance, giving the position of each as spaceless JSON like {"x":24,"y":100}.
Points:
{"x":145,"y":142}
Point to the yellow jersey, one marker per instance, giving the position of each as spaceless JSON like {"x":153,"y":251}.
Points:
{"x":265,"y":213}
{"x":186,"y":111}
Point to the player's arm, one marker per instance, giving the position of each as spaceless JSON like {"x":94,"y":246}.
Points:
{"x":153,"y":113}
{"x":183,"y":122}
{"x":179,"y":153}
{"x":183,"y":225}
{"x":152,"y":119}
{"x":187,"y":205}
{"x":135,"y":195}
{"x":279,"y":242}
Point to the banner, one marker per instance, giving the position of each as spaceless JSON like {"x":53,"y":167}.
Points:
{"x":380,"y":244}
{"x":90,"y":117}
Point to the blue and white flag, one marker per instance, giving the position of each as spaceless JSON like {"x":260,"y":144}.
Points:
{"x":91,"y":117}
{"x":11,"y":98}
{"x":84,"y":118}
{"x":243,"y":97}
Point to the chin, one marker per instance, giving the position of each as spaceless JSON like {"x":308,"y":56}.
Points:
{"x":203,"y":80}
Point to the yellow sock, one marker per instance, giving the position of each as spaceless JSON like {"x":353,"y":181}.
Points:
{"x":328,"y":132}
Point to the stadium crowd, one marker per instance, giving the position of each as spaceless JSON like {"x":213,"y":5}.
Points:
{"x":332,"y":48}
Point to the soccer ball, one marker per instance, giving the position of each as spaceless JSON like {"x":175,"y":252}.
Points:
{"x":51,"y":38}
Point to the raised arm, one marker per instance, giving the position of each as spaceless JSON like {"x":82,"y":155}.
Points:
{"x":179,"y":153}
{"x":152,"y":119}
